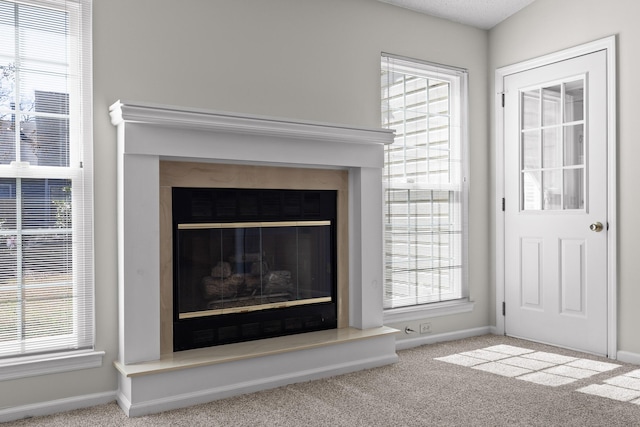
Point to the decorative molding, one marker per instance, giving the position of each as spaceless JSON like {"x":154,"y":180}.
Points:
{"x":628,"y":357}
{"x":583,"y":49}
{"x":169,"y":116}
{"x":204,"y":136}
{"x":49,"y":364}
{"x":56,"y":406}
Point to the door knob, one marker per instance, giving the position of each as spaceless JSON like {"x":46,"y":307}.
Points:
{"x":597,"y":227}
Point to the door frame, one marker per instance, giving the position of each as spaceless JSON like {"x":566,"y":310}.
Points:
{"x":607,"y":44}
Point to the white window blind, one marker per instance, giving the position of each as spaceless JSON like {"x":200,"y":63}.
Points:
{"x":424,"y":182}
{"x":46,"y":226}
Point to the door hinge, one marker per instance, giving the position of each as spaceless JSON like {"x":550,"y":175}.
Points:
{"x":503,"y":204}
{"x":503,"y":99}
{"x":504,"y":308}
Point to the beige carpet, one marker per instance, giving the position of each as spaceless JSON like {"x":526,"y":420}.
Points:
{"x":447,"y":384}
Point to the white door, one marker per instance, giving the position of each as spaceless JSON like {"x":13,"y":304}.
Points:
{"x":555,"y":178}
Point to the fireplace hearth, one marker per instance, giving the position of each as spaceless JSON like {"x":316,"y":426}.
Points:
{"x":252,"y":264}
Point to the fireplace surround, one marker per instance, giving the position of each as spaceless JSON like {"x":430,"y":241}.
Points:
{"x":161,"y":147}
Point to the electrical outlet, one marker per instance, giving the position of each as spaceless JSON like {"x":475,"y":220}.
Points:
{"x":425,"y":328}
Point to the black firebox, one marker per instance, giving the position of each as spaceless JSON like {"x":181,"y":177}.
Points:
{"x":251,"y":264}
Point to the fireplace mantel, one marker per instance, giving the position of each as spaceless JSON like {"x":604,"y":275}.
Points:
{"x":149,"y":134}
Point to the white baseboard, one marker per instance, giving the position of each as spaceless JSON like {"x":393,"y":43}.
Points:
{"x":56,"y":406}
{"x":493,"y":330}
{"x":628,"y":357}
{"x":448,"y":336}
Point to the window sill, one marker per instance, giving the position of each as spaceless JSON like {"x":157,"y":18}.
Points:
{"x":30,"y":366}
{"x":424,"y":311}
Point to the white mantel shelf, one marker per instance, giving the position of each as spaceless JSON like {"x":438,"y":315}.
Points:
{"x":248,"y":139}
{"x":148,"y":134}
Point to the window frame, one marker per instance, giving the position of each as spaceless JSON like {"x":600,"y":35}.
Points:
{"x":79,"y":171}
{"x":456,"y":77}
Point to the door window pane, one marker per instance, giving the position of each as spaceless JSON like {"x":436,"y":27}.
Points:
{"x":531,"y":191}
{"x":552,"y":147}
{"x":574,"y":189}
{"x":530,"y":109}
{"x":552,"y":193}
{"x":574,"y":101}
{"x":531,"y":150}
{"x":574,"y":145}
{"x":551,"y":105}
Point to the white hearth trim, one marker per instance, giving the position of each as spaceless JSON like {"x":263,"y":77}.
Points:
{"x":247,"y":350}
{"x":177,"y":389}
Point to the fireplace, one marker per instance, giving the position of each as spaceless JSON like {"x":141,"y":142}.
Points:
{"x":162,"y":149}
{"x":252,"y":264}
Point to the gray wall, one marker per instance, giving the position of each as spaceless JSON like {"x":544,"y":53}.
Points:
{"x":312,"y":60}
{"x":550,"y":25}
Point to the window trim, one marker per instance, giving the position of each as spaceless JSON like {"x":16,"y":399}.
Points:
{"x":464,"y":303}
{"x":428,"y":310}
{"x":51,"y":363}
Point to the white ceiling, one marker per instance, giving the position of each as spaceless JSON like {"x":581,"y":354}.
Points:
{"x":482,"y":14}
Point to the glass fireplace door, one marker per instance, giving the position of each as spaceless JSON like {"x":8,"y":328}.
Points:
{"x":226,"y":268}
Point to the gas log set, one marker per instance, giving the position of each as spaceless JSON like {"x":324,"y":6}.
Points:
{"x":225,"y":287}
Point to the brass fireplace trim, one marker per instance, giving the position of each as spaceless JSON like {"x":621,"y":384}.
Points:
{"x":246,"y":309}
{"x":215,"y":175}
{"x":206,"y":226}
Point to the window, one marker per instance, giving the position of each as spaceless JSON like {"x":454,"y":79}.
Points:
{"x":46,"y":246}
{"x":424,"y":182}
